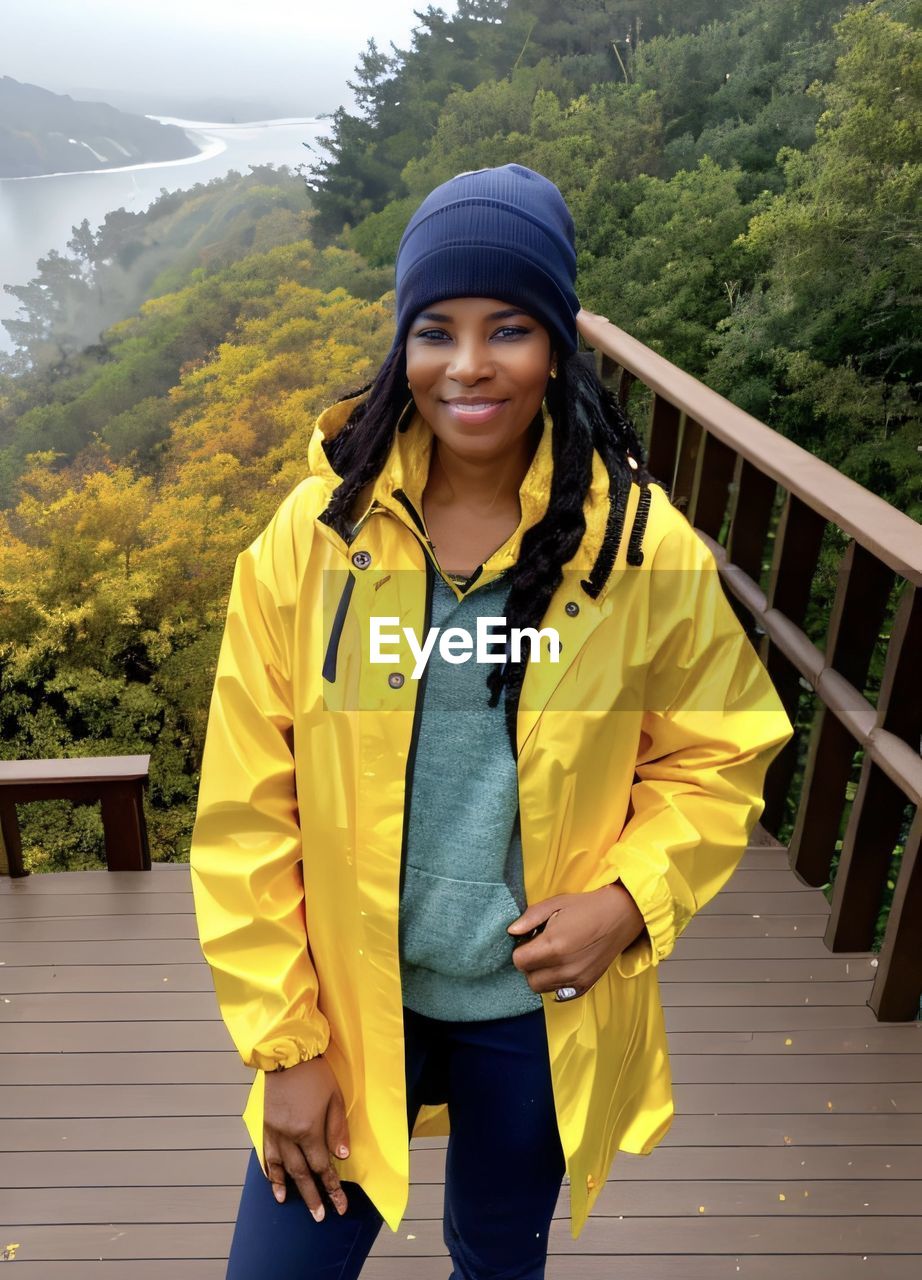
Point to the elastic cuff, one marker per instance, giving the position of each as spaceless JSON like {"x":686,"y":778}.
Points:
{"x":282,"y":1054}
{"x":650,"y":890}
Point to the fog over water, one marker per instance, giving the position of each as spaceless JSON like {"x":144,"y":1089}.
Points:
{"x":272,"y":69}
{"x":37,"y":214}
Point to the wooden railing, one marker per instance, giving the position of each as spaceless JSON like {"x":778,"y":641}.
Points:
{"x":750,"y":493}
{"x":727,"y":471}
{"x":116,"y":782}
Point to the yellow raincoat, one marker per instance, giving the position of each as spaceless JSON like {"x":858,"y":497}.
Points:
{"x":642,"y":756}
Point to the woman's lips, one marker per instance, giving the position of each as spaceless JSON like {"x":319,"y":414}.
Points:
{"x":474,"y":414}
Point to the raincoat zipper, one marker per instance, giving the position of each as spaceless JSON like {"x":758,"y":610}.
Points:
{"x":421,"y":689}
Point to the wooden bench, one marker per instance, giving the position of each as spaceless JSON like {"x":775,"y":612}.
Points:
{"x":117,"y":782}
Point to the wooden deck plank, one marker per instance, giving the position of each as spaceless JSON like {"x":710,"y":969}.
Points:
{"x":723,"y":1017}
{"x":88,"y":951}
{"x":102,"y":1006}
{"x":606,"y":1235}
{"x":801,"y":901}
{"x":564,"y":1267}
{"x":42,"y":906}
{"x":140,"y":1100}
{"x":163,"y":877}
{"x":74,"y":977}
{"x":95,"y":928}
{"x":842,"y":1028}
{"x":837,"y":1267}
{"x":728,"y":1067}
{"x":127,"y":927}
{"x":115,"y":1079}
{"x":141,"y":951}
{"x":212,"y":1200}
{"x":218,"y":1166}
{"x":751,"y":924}
{"x":191,"y":1130}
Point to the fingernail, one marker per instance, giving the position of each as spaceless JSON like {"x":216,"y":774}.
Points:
{"x":343,"y":1151}
{"x":318,"y":1214}
{"x":278,"y":1193}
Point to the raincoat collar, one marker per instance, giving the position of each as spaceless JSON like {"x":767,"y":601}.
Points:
{"x":406,"y":471}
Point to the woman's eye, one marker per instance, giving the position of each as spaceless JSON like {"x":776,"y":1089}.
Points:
{"x":433,"y":334}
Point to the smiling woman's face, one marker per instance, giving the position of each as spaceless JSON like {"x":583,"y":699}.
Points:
{"x":470,"y":352}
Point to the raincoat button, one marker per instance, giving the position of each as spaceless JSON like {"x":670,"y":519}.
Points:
{"x":395,"y":679}
{"x":572,"y":608}
{"x":361,"y":559}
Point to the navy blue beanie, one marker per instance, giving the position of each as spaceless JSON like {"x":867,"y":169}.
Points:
{"x":492,"y":233}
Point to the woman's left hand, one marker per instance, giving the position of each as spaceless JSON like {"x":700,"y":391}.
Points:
{"x":581,"y":934}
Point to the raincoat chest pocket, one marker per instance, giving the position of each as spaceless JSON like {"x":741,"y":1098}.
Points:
{"x":339,"y":618}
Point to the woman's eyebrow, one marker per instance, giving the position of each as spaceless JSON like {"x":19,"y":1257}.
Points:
{"x":440,"y":318}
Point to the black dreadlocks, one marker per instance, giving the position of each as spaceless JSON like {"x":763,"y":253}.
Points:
{"x":586,"y":416}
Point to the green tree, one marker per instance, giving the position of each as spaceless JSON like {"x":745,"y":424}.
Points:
{"x":826,"y":343}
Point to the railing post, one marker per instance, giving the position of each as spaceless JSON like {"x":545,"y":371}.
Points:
{"x":750,"y":517}
{"x":879,"y":805}
{"x":710,"y":495}
{"x":862,"y":591}
{"x":11,"y":863}
{"x":610,"y":371}
{"x":687,"y":464}
{"x":797,"y":548}
{"x":124,"y":827}
{"x":895,"y":994}
{"x":606,"y":367}
{"x":663,"y":444}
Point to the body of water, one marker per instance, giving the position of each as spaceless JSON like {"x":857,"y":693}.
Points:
{"x":39,"y":214}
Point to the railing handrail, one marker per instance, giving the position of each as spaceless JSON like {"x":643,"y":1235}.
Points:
{"x":74,"y":769}
{"x":874,"y":523}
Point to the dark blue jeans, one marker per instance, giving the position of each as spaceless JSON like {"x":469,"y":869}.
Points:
{"x":503,"y":1170}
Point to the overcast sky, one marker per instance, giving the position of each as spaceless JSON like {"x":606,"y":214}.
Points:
{"x":255,"y":48}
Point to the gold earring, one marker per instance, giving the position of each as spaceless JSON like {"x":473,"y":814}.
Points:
{"x":411,"y":404}
{"x":553,"y":373}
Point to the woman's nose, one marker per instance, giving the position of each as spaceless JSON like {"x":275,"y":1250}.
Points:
{"x":470,"y":362}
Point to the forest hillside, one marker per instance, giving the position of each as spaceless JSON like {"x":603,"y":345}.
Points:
{"x":744,"y":178}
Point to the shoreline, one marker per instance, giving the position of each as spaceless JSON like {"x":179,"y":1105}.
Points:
{"x":213,"y":146}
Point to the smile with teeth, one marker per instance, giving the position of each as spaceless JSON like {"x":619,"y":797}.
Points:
{"x":479,"y":412}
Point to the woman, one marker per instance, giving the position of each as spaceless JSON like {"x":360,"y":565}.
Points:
{"x":434,"y":880}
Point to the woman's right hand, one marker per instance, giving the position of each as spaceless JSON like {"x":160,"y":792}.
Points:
{"x":304,"y":1121}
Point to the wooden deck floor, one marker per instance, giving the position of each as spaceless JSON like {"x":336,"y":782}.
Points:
{"x":796,"y":1147}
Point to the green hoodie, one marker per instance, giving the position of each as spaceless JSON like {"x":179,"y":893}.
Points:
{"x":463,"y":878}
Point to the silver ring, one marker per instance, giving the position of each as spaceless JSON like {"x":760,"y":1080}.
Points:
{"x":566,"y":993}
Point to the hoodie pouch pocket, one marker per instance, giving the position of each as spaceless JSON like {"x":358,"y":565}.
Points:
{"x":456,"y":927}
